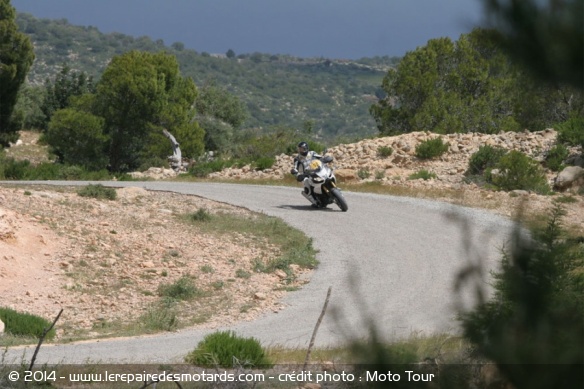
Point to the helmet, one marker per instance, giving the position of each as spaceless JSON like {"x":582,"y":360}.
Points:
{"x":303,"y":148}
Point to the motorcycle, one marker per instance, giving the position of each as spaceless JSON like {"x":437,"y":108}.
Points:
{"x":320,"y":180}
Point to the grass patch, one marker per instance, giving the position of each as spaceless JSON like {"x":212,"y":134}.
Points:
{"x":182,"y":289}
{"x":226,"y":349}
{"x":422,"y":174}
{"x":295,"y":246}
{"x":98,"y":191}
{"x":25,"y":324}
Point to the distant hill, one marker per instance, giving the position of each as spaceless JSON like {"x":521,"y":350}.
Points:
{"x":331,"y":96}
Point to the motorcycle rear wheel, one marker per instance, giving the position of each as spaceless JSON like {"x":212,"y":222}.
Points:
{"x":339,"y":199}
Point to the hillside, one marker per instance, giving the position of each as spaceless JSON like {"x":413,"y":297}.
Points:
{"x":49,"y":239}
{"x":278,"y":90}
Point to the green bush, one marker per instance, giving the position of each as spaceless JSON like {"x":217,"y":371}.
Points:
{"x":25,"y":324}
{"x":571,"y":132}
{"x":533,"y":324}
{"x":486,"y":157}
{"x":431,"y":148}
{"x":264,"y":163}
{"x":14,"y":170}
{"x":161,"y":316}
{"x":363,"y":174}
{"x":182,"y":289}
{"x":226,"y":349}
{"x":516,"y":170}
{"x":97,"y":191}
{"x":202,"y":215}
{"x":203,"y":169}
{"x":384,"y":151}
{"x":554,"y":159}
{"x":422,"y":174}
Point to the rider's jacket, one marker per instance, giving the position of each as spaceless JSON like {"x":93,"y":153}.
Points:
{"x":301,"y":162}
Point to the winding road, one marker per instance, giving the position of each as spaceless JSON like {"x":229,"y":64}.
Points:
{"x":392,"y":264}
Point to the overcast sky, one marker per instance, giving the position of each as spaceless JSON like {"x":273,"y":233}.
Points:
{"x":306,"y":28}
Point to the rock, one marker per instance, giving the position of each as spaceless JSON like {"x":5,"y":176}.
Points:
{"x":281,"y":274}
{"x":2,"y":327}
{"x":259,"y":296}
{"x":571,"y":177}
{"x":346,"y":174}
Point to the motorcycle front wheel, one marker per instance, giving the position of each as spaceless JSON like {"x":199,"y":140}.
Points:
{"x":339,"y":199}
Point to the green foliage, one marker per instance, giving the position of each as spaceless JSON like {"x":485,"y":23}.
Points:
{"x":485,"y":158}
{"x":263,"y":163}
{"x":161,"y":316}
{"x":384,"y":151}
{"x":16,"y":58}
{"x":202,"y":215}
{"x":220,"y":114}
{"x":138,"y":95}
{"x":182,"y":289}
{"x":58,"y":94}
{"x":448,"y":87}
{"x":226,"y":349}
{"x":532,"y":327}
{"x":571,"y":132}
{"x":77,"y":137}
{"x":276,"y":90}
{"x":203,"y":169}
{"x":422,"y":174}
{"x":25,"y":324}
{"x":546,"y":36}
{"x":363,"y":174}
{"x":97,"y":192}
{"x":431,"y":148}
{"x":555,"y":157}
{"x":516,"y":170}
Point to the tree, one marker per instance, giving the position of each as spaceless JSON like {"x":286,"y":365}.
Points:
{"x":16,"y":58}
{"x":546,"y":36}
{"x":67,"y":84}
{"x":447,"y":87}
{"x":77,"y":138}
{"x":138,"y":95}
{"x":220,"y":114}
{"x":230,"y":54}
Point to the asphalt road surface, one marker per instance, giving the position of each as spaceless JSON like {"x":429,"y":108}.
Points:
{"x":393,"y":265}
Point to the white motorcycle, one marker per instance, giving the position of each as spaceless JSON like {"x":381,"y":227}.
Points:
{"x":321,"y":181}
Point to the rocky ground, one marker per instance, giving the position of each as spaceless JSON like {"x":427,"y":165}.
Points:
{"x":102,"y":261}
{"x":361,"y":163}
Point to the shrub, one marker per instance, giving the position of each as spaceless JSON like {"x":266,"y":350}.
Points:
{"x":160,"y":317}
{"x":14,"y":170}
{"x":571,"y":132}
{"x":516,"y":170}
{"x":203,"y":169}
{"x":422,"y":174}
{"x":25,"y":324}
{"x":363,"y":174}
{"x":202,"y":215}
{"x":226,"y":349}
{"x":182,"y":289}
{"x":486,"y":157}
{"x":264,"y":163}
{"x":431,"y":148}
{"x":384,"y":151}
{"x":97,"y":192}
{"x":554,"y":159}
{"x":379,"y":174}
{"x":533,"y":324}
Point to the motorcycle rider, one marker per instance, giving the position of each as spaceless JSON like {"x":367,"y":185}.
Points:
{"x":301,"y":162}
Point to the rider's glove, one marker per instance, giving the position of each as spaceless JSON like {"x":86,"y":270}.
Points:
{"x":301,"y":177}
{"x":294,"y":171}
